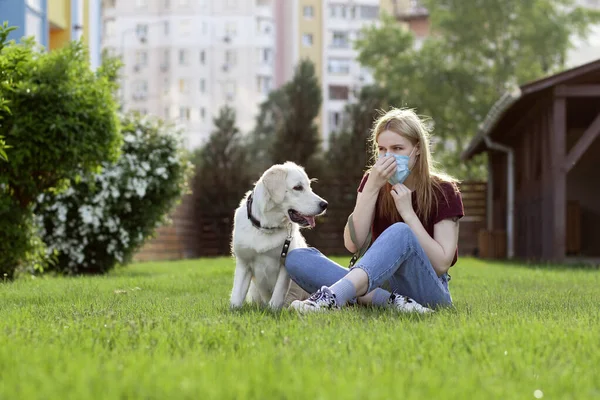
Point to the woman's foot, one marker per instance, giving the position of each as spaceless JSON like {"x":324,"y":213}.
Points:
{"x":322,"y":299}
{"x":406,"y":304}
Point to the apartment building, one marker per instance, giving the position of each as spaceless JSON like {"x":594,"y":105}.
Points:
{"x":53,"y":23}
{"x":185,"y":59}
{"x":324,"y":32}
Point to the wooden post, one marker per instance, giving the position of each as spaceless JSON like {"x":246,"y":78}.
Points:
{"x":586,"y":140}
{"x":559,"y":177}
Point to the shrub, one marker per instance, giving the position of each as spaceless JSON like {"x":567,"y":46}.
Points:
{"x":20,"y":245}
{"x":62,"y":117}
{"x":104,"y":218}
{"x":57,"y":117}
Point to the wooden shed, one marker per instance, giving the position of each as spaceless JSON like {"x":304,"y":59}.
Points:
{"x":543,"y":147}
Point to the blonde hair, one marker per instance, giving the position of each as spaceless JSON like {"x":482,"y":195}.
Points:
{"x":406,"y":123}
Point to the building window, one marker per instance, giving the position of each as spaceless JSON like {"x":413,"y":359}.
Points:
{"x":202,"y":86}
{"x":166,"y":86}
{"x":183,"y":57}
{"x":229,"y":91}
{"x":36,"y":5}
{"x":33,"y":25}
{"x":109,"y":28}
{"x":184,"y":86}
{"x":167,"y":112}
{"x":334,"y":120}
{"x":202,"y":113}
{"x":338,"y":92}
{"x":184,"y":3}
{"x":230,"y":58}
{"x":185,"y":27}
{"x":230,"y":29}
{"x":352,"y":12}
{"x":340,"y":40}
{"x":231,"y":4}
{"x":140,"y":89}
{"x":141,"y":30}
{"x":184,"y":113}
{"x":369,"y":12}
{"x":166,"y":4}
{"x":167,"y":28}
{"x":264,"y":84}
{"x":308,"y":12}
{"x":265,"y":56}
{"x":307,"y":39}
{"x":338,"y":11}
{"x":263,"y":27}
{"x":202,"y":57}
{"x":338,"y":66}
{"x":141,"y":58}
{"x":141,"y":3}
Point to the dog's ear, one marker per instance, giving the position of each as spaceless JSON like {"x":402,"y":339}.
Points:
{"x":274,"y":182}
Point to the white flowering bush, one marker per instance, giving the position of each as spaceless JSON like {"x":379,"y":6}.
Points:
{"x":102,"y":219}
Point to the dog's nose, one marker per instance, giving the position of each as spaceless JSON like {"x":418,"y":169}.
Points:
{"x":323,"y":205}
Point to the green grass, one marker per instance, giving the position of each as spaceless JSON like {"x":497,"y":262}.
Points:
{"x":170,"y":334}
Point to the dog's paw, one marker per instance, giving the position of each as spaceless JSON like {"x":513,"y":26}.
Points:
{"x":234,"y":306}
{"x":275,"y":305}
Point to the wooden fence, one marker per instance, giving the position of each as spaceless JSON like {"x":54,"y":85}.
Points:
{"x":196,"y":233}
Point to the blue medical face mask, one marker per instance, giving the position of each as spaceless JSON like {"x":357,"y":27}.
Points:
{"x":402,"y":169}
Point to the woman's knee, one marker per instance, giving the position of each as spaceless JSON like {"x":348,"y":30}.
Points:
{"x":400,"y":229}
{"x":296,"y":258}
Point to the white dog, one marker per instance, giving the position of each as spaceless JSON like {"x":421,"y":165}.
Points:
{"x":268,"y":218}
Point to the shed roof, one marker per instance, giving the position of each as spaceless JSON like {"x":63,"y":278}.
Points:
{"x":508,"y":109}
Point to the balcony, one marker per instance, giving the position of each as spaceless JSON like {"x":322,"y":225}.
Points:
{"x":415,"y":10}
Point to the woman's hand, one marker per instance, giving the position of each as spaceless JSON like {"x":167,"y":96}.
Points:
{"x":383,"y":169}
{"x":403,"y":199}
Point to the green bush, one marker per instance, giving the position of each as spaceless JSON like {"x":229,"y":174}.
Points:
{"x":57,"y":116}
{"x":104,"y":218}
{"x":62,"y":117}
{"x":20,"y":245}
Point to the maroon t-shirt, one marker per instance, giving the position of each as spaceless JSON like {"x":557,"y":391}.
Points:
{"x":448,"y":207}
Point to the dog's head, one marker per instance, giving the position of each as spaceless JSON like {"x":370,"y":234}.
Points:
{"x":287,"y":188}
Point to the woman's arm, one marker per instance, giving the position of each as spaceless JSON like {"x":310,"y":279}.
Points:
{"x":441,"y":248}
{"x":362,"y":216}
{"x":364,"y":210}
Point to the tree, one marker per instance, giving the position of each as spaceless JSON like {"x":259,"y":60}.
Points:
{"x":223,"y":176}
{"x":259,"y":142}
{"x":297,"y":135}
{"x":350,"y":149}
{"x":478,"y":50}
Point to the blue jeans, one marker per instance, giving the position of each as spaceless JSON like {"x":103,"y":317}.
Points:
{"x":395,"y":259}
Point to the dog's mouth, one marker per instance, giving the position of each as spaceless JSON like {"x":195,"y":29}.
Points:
{"x":301,"y":219}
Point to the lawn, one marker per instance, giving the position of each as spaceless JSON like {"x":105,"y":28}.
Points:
{"x":164,"y":330}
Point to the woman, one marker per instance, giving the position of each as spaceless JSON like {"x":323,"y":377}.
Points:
{"x":412,"y":212}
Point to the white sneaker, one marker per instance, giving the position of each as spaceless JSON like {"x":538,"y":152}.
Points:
{"x":406,"y":304}
{"x":322,"y":299}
